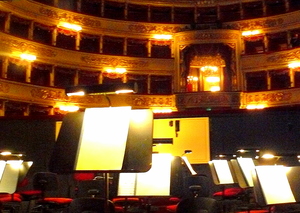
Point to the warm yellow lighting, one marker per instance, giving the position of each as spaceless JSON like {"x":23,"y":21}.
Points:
{"x":116,"y":70}
{"x":209,"y":68}
{"x":294,"y":65}
{"x":124,"y":91}
{"x":162,"y":37}
{"x":215,"y":88}
{"x":268,"y":156}
{"x":15,"y":164}
{"x":5,"y":153}
{"x":247,"y":165}
{"x":162,"y":110}
{"x":2,"y":167}
{"x":212,"y":79}
{"x":250,"y":33}
{"x":80,"y":93}
{"x":69,"y":108}
{"x":74,"y":27}
{"x":255,"y":106}
{"x":28,"y":57}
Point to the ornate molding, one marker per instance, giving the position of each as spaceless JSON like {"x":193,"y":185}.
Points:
{"x":269,"y":97}
{"x":152,"y":101}
{"x":68,"y":17}
{"x":208,"y":99}
{"x":213,"y":35}
{"x":255,"y":24}
{"x":114,"y":62}
{"x":22,"y":46}
{"x":284,"y":57}
{"x":47,"y":94}
{"x":4,"y":87}
{"x":154,"y":28}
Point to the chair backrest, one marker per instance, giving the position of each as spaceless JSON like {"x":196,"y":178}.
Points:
{"x":45,"y":181}
{"x":91,"y":205}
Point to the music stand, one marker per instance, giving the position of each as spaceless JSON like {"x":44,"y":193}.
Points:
{"x":113,"y":139}
{"x":157,"y":182}
{"x":10,"y":176}
{"x":243,"y":168}
{"x":272,"y":186}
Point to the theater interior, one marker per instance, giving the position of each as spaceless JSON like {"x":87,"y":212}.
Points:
{"x":149,"y":106}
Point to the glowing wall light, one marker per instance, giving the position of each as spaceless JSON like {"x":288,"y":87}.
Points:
{"x":255,"y":106}
{"x":294,"y":65}
{"x":162,"y":37}
{"x":70,"y":26}
{"x":116,"y":70}
{"x":69,"y":108}
{"x":251,"y":32}
{"x":215,"y":88}
{"x":212,"y":79}
{"x":28,"y":57}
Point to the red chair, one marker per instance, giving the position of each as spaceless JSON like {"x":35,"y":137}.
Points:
{"x":45,"y":182}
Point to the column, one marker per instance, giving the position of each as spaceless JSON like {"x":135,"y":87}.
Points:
{"x":101,"y":44}
{"x":31,"y":28}
{"x":7,"y":23}
{"x":77,"y":42}
{"x":149,"y":45}
{"x":4,"y":68}
{"x":52,"y":73}
{"x":287,"y":5}
{"x":28,"y":73}
{"x":268,"y":80}
{"x":125,"y":46}
{"x":54,"y":35}
{"x":289,"y":36}
{"x":126,"y":11}
{"x":266,"y":43}
{"x":102,"y":8}
{"x":78,"y":6}
{"x":172,"y":14}
{"x":27,"y":110}
{"x":2,"y":108}
{"x":149,"y":13}
{"x":172,"y":49}
{"x":241,"y":10}
{"x":76,"y":78}
{"x":264,"y":8}
{"x":292,"y":77}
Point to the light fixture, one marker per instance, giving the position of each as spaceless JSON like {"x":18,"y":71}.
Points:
{"x":69,"y":108}
{"x":28,"y":57}
{"x":162,"y":37}
{"x":294,"y":65}
{"x":101,"y":89}
{"x":251,"y":32}
{"x":70,"y":26}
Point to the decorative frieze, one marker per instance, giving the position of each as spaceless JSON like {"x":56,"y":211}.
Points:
{"x":69,"y":17}
{"x":255,"y":24}
{"x":23,"y":46}
{"x":286,"y":56}
{"x":48,"y":94}
{"x":114,"y":62}
{"x":209,"y":99}
{"x":213,"y":35}
{"x":154,"y":28}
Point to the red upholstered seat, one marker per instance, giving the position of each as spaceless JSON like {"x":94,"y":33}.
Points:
{"x":230,"y":192}
{"x":172,"y":208}
{"x":58,"y":200}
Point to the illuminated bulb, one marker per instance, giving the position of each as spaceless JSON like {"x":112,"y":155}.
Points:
{"x":162,"y":110}
{"x":5,"y":153}
{"x":71,"y":26}
{"x":28,"y":57}
{"x":69,"y":108}
{"x":116,"y":70}
{"x":294,"y":65}
{"x":257,"y":106}
{"x":80,"y":93}
{"x":205,"y":68}
{"x":165,"y":37}
{"x":215,"y":88}
{"x":249,"y":33}
{"x":213,"y":79}
{"x":268,"y":156}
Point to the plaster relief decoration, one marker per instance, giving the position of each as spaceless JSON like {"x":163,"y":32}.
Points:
{"x":114,"y":62}
{"x":142,"y":101}
{"x":48,"y":94}
{"x":4,"y":87}
{"x":69,"y":17}
{"x":21,"y":46}
{"x":256,"y":24}
{"x":208,"y":36}
{"x":284,"y":57}
{"x":154,"y":28}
